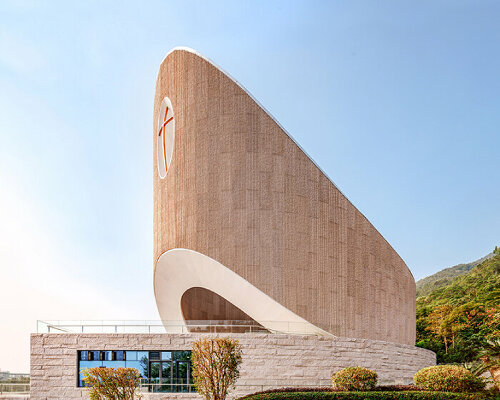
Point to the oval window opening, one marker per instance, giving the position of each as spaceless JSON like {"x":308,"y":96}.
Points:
{"x":165,"y":137}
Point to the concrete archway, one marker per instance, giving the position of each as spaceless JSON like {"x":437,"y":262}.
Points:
{"x":179,"y":270}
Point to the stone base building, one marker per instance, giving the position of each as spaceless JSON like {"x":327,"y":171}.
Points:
{"x":269,"y":360}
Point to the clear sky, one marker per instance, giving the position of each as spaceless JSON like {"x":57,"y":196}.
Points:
{"x":397,"y":101}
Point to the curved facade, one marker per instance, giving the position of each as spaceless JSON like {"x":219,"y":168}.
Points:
{"x":247,"y":226}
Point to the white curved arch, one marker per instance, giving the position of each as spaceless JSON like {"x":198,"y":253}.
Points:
{"x":178,"y":270}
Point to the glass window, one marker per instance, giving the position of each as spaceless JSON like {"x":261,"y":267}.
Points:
{"x":168,"y":371}
{"x":143,"y":359}
{"x":155,"y":372}
{"x":143,"y":356}
{"x":84,"y":365}
{"x":113,"y":364}
{"x":184,"y":355}
{"x":140,"y":366}
{"x":182,"y":376}
{"x":166,"y":134}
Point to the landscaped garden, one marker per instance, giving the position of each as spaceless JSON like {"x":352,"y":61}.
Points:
{"x":443,"y":382}
{"x":298,"y":394}
{"x":216,"y":364}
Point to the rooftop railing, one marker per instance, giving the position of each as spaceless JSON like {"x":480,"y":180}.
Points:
{"x":204,"y":326}
{"x":17,"y":388}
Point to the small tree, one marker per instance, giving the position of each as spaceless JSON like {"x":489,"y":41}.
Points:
{"x":490,"y":356}
{"x":112,"y":383}
{"x":439,"y":323}
{"x":215,"y":363}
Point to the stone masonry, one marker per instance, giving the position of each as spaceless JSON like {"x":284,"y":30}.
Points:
{"x":269,"y":360}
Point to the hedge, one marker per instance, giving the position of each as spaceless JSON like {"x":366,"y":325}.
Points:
{"x":294,"y":389}
{"x":402,"y":395}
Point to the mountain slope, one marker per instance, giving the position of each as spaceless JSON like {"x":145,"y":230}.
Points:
{"x":456,"y":319}
{"x":446,"y":276}
{"x":481,"y":284}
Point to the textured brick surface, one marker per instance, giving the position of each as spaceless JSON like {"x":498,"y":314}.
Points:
{"x":268,"y":360}
{"x":240,"y":191}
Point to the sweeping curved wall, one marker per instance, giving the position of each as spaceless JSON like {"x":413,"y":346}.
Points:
{"x":240,"y":191}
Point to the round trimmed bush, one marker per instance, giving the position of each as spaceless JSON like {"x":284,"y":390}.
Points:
{"x":448,"y":378}
{"x":355,"y":378}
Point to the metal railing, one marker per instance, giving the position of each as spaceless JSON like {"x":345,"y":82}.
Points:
{"x":91,"y":326}
{"x":192,"y":326}
{"x":18,"y":388}
{"x":166,"y":385}
{"x":157,"y":386}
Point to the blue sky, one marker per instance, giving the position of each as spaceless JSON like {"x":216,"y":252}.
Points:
{"x":397,"y":101}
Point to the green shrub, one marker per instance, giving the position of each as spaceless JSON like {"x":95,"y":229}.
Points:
{"x":112,"y":383}
{"x":355,"y":378}
{"x":448,"y":378}
{"x":369,"y":396}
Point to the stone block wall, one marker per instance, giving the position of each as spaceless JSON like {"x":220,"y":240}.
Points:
{"x":269,"y":360}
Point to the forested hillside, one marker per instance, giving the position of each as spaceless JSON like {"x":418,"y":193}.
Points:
{"x":445,"y":276}
{"x":456,"y":319}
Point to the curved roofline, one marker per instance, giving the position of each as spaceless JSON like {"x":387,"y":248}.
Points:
{"x":193,"y":51}
{"x":190,"y":50}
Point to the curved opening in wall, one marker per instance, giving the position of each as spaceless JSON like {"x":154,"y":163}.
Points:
{"x":179,"y":270}
{"x":165,"y":133}
{"x":206,"y":311}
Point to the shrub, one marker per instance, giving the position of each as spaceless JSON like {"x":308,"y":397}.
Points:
{"x":448,"y":378}
{"x":112,"y":383}
{"x":412,"y":395}
{"x":215,"y":363}
{"x":396,"y":388}
{"x":295,"y":389}
{"x":355,"y":378}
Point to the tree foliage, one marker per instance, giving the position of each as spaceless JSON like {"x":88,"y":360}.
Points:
{"x":215,"y":363}
{"x":112,"y":383}
{"x":445,"y":276}
{"x":457,"y":320}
